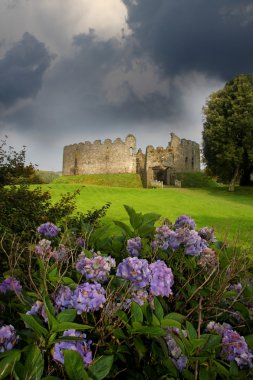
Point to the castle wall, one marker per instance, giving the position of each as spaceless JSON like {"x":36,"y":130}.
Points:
{"x":159,"y":163}
{"x":98,"y":158}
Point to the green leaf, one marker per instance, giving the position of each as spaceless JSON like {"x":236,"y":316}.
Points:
{"x":158,"y":309}
{"x":101,"y":367}
{"x":191,"y":332}
{"x":67,"y":315}
{"x":170,"y":323}
{"x":249,"y":340}
{"x":51,"y":378}
{"x":53,"y":275}
{"x":140,"y":347}
{"x":124,"y":227}
{"x":175,"y":316}
{"x":69,"y":326}
{"x":149,"y":330}
{"x":34,"y":364}
{"x":8,"y":363}
{"x":136,"y":313}
{"x":221,"y":369}
{"x":74,"y":365}
{"x":212,"y":341}
{"x":204,"y":374}
{"x":34,"y":325}
{"x":136,"y":219}
{"x":50,"y":311}
{"x":68,"y":281}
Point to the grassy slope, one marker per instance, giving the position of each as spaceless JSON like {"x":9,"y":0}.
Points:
{"x":112,"y":180}
{"x":225,"y":211}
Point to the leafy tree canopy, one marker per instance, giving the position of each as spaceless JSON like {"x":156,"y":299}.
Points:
{"x":228,"y":131}
{"x":13,"y":169}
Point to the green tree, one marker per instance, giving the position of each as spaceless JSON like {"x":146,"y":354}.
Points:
{"x":13,"y":168}
{"x":228,"y":131}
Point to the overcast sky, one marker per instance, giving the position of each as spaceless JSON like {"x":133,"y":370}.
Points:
{"x":76,"y":70}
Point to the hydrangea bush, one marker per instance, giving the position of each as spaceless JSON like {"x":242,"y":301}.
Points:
{"x":157,"y":301}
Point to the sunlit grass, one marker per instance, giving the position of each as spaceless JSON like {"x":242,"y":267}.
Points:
{"x":229,"y":213}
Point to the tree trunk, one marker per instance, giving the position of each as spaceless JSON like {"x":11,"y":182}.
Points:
{"x":233,"y":180}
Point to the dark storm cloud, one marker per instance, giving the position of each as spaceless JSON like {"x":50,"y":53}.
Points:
{"x":22,"y":69}
{"x":214,"y":37}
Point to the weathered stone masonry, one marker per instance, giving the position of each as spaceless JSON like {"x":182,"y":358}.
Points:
{"x":159,"y":163}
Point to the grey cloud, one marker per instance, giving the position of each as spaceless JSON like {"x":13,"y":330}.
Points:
{"x":22,"y":69}
{"x":214,"y":37}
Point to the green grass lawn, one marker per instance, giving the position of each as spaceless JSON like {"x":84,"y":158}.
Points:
{"x":229,"y":213}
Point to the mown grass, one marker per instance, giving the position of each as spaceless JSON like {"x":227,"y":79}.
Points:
{"x":112,"y":180}
{"x":229,"y":213}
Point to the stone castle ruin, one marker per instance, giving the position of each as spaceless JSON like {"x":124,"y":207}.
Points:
{"x":112,"y":157}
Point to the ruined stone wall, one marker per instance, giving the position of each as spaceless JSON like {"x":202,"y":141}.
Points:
{"x":163,"y":163}
{"x":186,"y":154}
{"x":160,"y":163}
{"x":98,"y":158}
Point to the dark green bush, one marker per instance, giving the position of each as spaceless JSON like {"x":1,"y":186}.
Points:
{"x":196,"y":179}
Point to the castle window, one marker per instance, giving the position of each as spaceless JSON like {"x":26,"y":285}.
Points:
{"x":186,"y":161}
{"x":192,"y":163}
{"x":131,"y":151}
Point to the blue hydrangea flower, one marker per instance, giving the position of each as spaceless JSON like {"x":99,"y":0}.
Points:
{"x":180,"y":361}
{"x":135,"y":270}
{"x":207,"y":234}
{"x":64,"y":298}
{"x":185,"y":221}
{"x":11,"y":284}
{"x":96,"y":268}
{"x":191,"y":241}
{"x":61,"y":254}
{"x":48,"y":229}
{"x":165,"y":239}
{"x":161,"y":279}
{"x":8,"y":338}
{"x":38,"y":309}
{"x":134,"y":246}
{"x":82,"y":346}
{"x":88,"y":297}
{"x":44,"y":249}
{"x":234,"y":347}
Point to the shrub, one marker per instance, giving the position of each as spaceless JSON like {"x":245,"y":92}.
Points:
{"x":196,"y":179}
{"x":155,"y":303}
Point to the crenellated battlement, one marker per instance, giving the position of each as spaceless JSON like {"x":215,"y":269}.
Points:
{"x":120,"y":156}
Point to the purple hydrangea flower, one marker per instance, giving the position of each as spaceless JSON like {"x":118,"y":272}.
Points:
{"x":208,"y":258}
{"x":135,"y":270}
{"x":234,"y":347}
{"x":44,"y":249}
{"x":236,"y":287}
{"x":11,"y":284}
{"x":165,"y":238}
{"x":134,"y":246}
{"x":61,"y":254}
{"x":82,"y":346}
{"x":191,"y":241}
{"x":161,"y":279}
{"x":185,"y":221}
{"x":207,"y":234}
{"x":96,"y":268}
{"x":64,"y":298}
{"x":80,"y":242}
{"x":8,"y":338}
{"x":139,"y":296}
{"x":48,"y":229}
{"x":218,"y":328}
{"x":88,"y":297}
{"x":179,"y":360}
{"x":38,"y":309}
